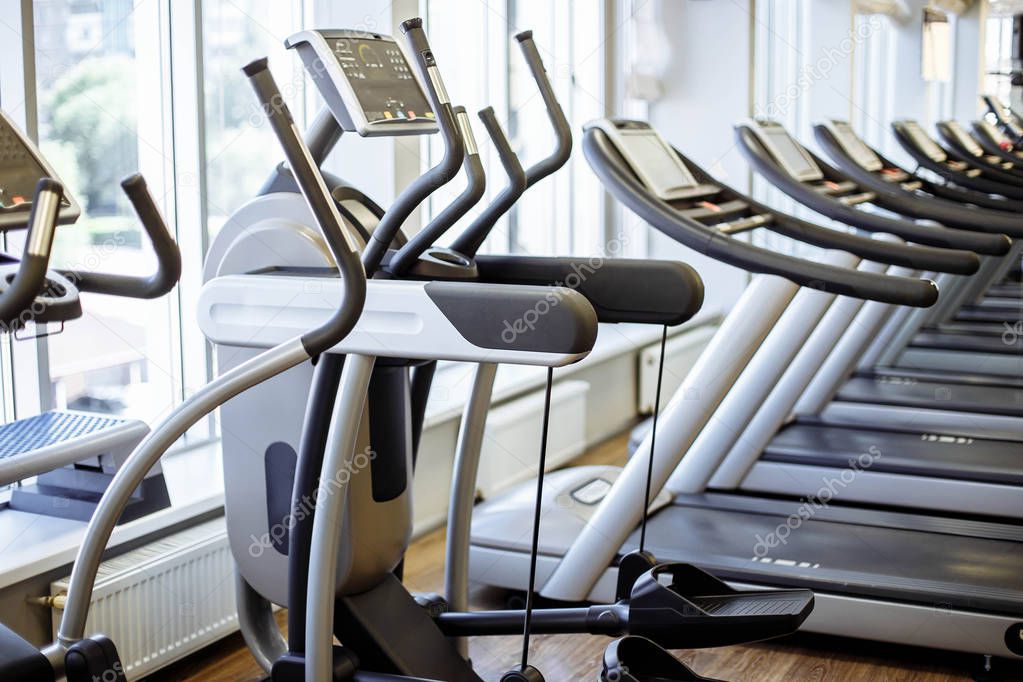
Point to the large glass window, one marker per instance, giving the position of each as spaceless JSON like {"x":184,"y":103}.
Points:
{"x":240,"y":148}
{"x":475,"y":44}
{"x":100,"y":113}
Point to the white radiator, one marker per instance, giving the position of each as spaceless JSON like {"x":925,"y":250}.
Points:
{"x":680,"y":354}
{"x":165,"y":600}
{"x":511,"y":442}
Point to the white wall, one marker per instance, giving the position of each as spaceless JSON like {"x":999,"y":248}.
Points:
{"x":706,"y":90}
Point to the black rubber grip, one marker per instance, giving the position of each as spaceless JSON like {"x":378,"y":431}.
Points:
{"x":475,"y":187}
{"x":313,"y":188}
{"x":620,"y":290}
{"x":470,"y":241}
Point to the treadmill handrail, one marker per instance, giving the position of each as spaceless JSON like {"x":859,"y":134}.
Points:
{"x":981,"y":182}
{"x":625,"y":187}
{"x":947,"y":204}
{"x":929,"y":235}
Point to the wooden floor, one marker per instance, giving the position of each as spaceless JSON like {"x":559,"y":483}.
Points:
{"x":577,"y":657}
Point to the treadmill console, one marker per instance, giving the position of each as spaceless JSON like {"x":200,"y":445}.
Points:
{"x":854,"y":146}
{"x":1004,"y":114}
{"x":21,"y":167}
{"x":964,"y":138}
{"x":923,"y":141}
{"x":994,"y":134}
{"x":788,"y":153}
{"x":366,"y":82}
{"x":652,"y":159}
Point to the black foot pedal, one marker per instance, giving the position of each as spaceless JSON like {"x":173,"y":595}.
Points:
{"x":680,"y":606}
{"x":637,"y":659}
{"x":92,"y":659}
{"x":630,"y":568}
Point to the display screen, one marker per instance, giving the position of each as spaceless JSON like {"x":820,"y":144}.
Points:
{"x":863,"y":155}
{"x":923,"y":141}
{"x":968,"y":143}
{"x":382,"y":79}
{"x":655,"y":162}
{"x":19,"y":171}
{"x":789,"y":154}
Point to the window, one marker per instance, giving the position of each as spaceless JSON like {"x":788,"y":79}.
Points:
{"x":119,"y":86}
{"x":100,"y":116}
{"x":483,"y":66}
{"x":998,"y":57}
{"x":240,"y":148}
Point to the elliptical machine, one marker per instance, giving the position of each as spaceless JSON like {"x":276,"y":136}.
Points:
{"x":73,"y":656}
{"x":350,"y":541}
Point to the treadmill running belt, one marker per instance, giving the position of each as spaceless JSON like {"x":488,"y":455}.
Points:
{"x":917,"y":454}
{"x":843,"y":550}
{"x":998,"y":400}
{"x":975,"y":343}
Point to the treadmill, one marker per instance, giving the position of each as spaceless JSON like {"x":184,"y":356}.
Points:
{"x":922,"y":466}
{"x":877,"y":573}
{"x":910,"y":394}
{"x":1005,"y":117}
{"x":961,"y":315}
{"x":871,"y":168}
{"x":995,"y":142}
{"x":960,"y":144}
{"x":931,"y":155}
{"x":928,"y":154}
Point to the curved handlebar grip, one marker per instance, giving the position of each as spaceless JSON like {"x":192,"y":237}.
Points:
{"x":438,"y":176}
{"x":342,"y":246}
{"x":168,"y":256}
{"x":913,"y":256}
{"x":476,"y":185}
{"x":470,"y":241}
{"x":562,"y":131}
{"x":31,"y":276}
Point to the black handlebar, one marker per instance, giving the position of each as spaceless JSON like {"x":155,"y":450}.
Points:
{"x":476,"y":185}
{"x":619,"y":180}
{"x":562,"y":131}
{"x":168,"y":256}
{"x":438,"y":176}
{"x":342,"y":246}
{"x":930,"y":235}
{"x":30,"y":278}
{"x":470,"y":241}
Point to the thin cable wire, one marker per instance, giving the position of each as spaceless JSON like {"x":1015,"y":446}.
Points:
{"x":536,"y":520}
{"x":653,"y":441}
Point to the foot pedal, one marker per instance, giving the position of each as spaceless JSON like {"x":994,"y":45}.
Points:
{"x":637,"y":659}
{"x":679,"y":606}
